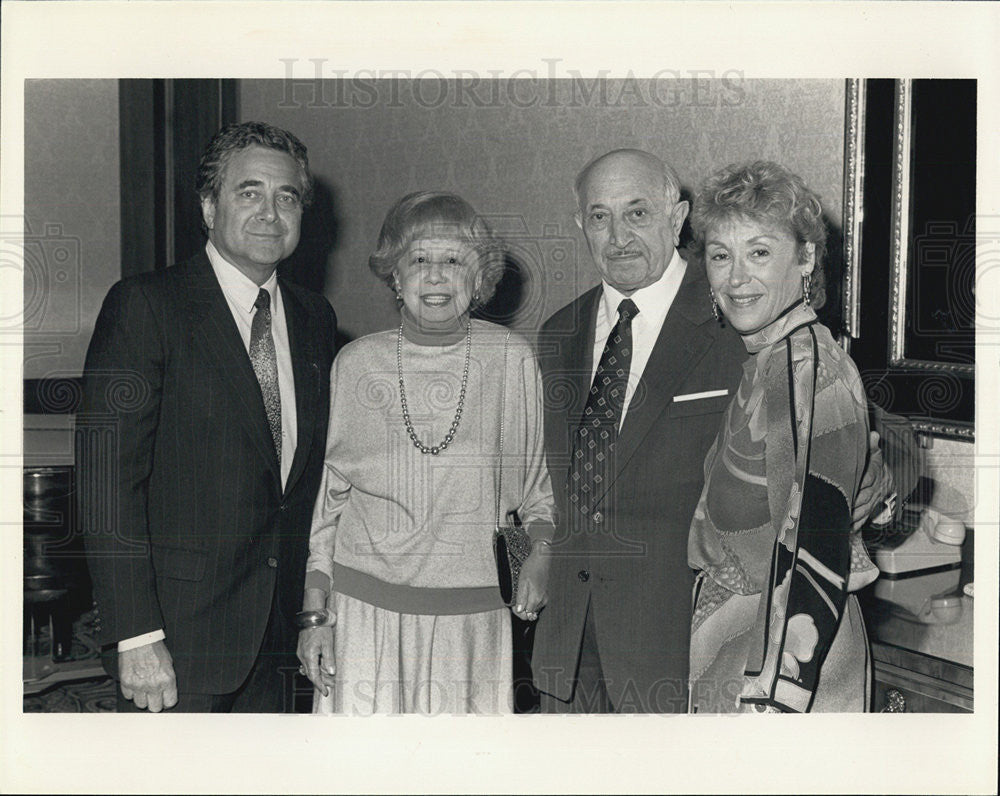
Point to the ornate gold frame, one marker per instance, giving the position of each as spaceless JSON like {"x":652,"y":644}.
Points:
{"x":854,"y":174}
{"x":899,"y":243}
{"x":901,"y":199}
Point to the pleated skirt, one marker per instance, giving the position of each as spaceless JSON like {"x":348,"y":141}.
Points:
{"x":389,"y":662}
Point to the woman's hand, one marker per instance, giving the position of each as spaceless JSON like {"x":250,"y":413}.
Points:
{"x":315,"y":651}
{"x":876,"y":487}
{"x":533,"y":585}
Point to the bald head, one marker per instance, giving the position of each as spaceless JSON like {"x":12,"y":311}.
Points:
{"x":630,"y":159}
{"x":630,"y":213}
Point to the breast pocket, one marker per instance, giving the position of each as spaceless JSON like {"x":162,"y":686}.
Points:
{"x":694,"y":404}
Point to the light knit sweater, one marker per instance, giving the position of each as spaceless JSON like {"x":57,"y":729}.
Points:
{"x":393,"y":525}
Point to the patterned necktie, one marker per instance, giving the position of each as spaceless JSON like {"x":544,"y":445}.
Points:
{"x":598,"y":430}
{"x":265,"y":365}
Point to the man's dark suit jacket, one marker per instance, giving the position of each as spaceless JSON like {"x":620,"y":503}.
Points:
{"x":629,"y":556}
{"x":186,"y":523}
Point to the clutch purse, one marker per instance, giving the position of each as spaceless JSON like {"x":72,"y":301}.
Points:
{"x":511,"y":547}
{"x":511,"y":543}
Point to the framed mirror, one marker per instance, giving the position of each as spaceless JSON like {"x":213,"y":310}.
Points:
{"x":909,"y":246}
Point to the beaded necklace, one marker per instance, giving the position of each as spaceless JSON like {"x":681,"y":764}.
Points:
{"x":450,"y":436}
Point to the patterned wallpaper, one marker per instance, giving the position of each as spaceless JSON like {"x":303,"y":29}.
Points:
{"x":72,"y":218}
{"x":513,"y":149}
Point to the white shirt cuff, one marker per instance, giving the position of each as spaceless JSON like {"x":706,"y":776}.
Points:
{"x":141,"y":641}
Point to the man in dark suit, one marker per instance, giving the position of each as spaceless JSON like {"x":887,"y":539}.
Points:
{"x":200,"y":442}
{"x":614,"y":634}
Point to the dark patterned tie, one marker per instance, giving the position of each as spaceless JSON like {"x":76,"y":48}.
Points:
{"x":598,"y":430}
{"x":265,"y":365}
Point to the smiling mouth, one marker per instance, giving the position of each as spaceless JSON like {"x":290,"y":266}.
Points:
{"x":744,"y":301}
{"x":435,"y":299}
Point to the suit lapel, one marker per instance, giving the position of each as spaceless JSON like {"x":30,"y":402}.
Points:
{"x":683,"y":340}
{"x":579,"y":354}
{"x":565,"y":348}
{"x":214,"y":331}
{"x":306,"y":372}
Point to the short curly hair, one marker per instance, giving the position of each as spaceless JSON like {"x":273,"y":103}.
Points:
{"x":438,"y":214}
{"x":765,"y":192}
{"x":234,"y":137}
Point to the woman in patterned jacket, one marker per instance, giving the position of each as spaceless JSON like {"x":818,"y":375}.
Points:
{"x":775,"y":626}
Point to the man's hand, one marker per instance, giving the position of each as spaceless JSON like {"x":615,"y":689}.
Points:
{"x":876,"y":485}
{"x":532,"y":586}
{"x":147,"y":676}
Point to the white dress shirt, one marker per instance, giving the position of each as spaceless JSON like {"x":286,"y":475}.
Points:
{"x":241,"y":293}
{"x":654,"y":302}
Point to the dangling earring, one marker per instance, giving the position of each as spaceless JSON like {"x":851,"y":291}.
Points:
{"x":806,"y":287}
{"x":715,"y":305}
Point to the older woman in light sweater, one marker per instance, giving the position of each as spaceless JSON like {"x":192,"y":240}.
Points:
{"x":402,"y":602}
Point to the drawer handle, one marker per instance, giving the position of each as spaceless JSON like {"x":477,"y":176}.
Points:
{"x":895,"y":702}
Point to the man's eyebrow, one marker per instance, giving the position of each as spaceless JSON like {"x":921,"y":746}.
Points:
{"x":632,"y":203}
{"x":288,"y":188}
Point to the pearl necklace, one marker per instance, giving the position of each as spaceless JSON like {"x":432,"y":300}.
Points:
{"x":450,"y":436}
